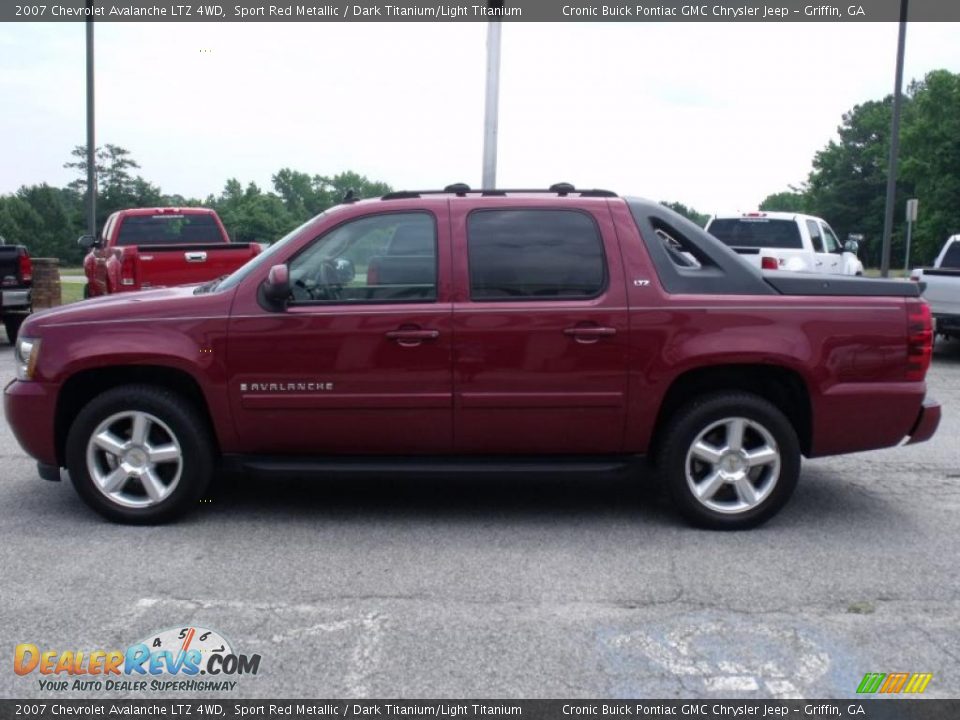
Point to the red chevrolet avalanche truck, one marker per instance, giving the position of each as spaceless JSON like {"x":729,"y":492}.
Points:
{"x":496,"y":330}
{"x":144,"y":248}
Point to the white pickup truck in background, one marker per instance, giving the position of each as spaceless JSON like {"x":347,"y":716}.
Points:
{"x":786,"y":241}
{"x":943,"y":287}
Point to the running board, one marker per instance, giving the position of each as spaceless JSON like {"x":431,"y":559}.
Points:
{"x":274,"y":465}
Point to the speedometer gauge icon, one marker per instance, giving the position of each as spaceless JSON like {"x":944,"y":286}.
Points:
{"x":183,"y":639}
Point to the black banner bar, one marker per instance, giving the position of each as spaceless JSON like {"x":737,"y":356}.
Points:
{"x":862,"y":709}
{"x":776,"y":11}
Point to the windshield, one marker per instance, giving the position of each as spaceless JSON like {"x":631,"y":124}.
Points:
{"x":263,"y":259}
{"x":757,"y":233}
{"x":169,"y":229}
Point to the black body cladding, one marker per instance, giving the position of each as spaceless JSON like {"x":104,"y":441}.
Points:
{"x":723,"y":272}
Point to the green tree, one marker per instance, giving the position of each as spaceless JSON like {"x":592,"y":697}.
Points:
{"x":307,"y":195}
{"x":112,"y":164}
{"x":48,"y":220}
{"x":45,"y":219}
{"x":931,"y":161}
{"x":302,"y":194}
{"x":117,"y":188}
{"x":337,"y":186}
{"x":251,"y":215}
{"x":689,"y":213}
{"x":848,"y":183}
{"x":792,"y":200}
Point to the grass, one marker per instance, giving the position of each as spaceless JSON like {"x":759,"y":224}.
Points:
{"x":894,"y":273}
{"x":71,"y":270}
{"x":71,"y":292}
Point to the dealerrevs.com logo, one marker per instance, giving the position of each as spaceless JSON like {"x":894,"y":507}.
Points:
{"x":177,"y":660}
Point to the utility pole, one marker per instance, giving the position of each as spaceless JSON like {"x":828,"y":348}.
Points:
{"x":894,"y":145}
{"x":492,"y":103}
{"x":91,"y":135}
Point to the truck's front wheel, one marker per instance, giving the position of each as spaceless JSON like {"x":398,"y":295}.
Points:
{"x":730,"y":460}
{"x":139,"y":454}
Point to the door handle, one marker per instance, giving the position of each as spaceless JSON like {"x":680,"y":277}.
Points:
{"x":196,"y":256}
{"x":589,"y":333}
{"x":411,"y":337}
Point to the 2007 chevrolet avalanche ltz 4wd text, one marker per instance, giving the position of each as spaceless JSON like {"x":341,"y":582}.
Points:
{"x":494,"y":330}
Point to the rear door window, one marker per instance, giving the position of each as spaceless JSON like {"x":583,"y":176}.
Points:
{"x":951,"y":258}
{"x":815,"y":237}
{"x":521,"y":254}
{"x":758,"y":232}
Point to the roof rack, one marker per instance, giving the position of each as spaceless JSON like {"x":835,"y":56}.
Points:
{"x":462,"y":190}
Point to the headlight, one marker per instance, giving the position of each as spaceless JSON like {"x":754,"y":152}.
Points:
{"x":26,"y":354}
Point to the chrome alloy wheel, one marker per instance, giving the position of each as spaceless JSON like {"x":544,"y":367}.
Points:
{"x":134,"y":459}
{"x":733,"y":465}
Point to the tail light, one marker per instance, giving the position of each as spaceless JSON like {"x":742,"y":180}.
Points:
{"x":26,"y":266}
{"x":128,"y":269}
{"x":919,"y":339}
{"x":769,"y":263}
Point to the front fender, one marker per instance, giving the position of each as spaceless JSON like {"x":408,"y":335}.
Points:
{"x":195,"y":348}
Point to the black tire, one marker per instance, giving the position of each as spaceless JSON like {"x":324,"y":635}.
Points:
{"x":12,"y":324}
{"x":710,"y":411}
{"x":178,"y":419}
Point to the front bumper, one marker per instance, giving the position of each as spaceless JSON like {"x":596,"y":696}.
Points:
{"x":927,"y":422}
{"x":30,"y":408}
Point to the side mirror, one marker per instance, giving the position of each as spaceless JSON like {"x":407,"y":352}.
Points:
{"x":276,"y":288}
{"x":346,"y":272}
{"x":87,"y":242}
{"x":852,"y":244}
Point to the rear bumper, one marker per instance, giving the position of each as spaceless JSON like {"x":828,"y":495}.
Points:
{"x":947,"y":323}
{"x":16,"y":300}
{"x":839,"y":416}
{"x":30,"y":408}
{"x":927,"y":422}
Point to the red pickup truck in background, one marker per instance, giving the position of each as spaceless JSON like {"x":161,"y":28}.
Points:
{"x":158,"y":247}
{"x":492,"y":330}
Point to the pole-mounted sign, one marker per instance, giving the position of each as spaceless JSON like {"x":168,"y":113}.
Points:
{"x":912,"y":205}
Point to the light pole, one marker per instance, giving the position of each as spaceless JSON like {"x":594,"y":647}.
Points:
{"x":492,"y":103}
{"x":894,"y":146}
{"x":91,"y":135}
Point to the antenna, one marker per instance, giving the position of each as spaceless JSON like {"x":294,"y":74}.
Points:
{"x":461,"y":189}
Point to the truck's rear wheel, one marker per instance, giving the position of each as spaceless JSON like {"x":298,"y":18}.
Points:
{"x":12,"y":324}
{"x":139,"y":454}
{"x":730,"y":461}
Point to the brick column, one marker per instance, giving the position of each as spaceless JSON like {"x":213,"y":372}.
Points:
{"x":46,"y":283}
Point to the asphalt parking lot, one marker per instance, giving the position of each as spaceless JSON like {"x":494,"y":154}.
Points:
{"x":511,"y":587}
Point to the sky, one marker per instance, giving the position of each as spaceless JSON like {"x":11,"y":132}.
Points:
{"x":714,"y":115}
